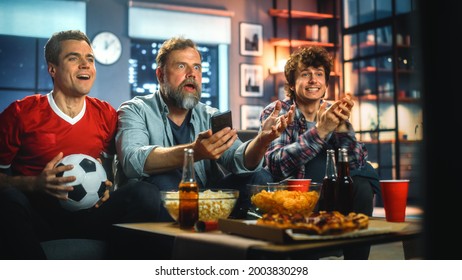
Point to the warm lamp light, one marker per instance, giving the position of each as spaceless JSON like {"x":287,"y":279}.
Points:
{"x":279,"y":67}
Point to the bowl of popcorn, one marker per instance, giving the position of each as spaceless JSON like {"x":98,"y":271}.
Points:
{"x":214,"y":204}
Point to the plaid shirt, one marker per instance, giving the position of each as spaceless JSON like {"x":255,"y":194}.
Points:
{"x":300,"y":142}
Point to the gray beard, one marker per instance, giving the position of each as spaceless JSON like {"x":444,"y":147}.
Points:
{"x":181,"y":100}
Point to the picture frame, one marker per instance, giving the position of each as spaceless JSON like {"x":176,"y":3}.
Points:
{"x":250,"y":39}
{"x":251,"y":80}
{"x":250,"y":116}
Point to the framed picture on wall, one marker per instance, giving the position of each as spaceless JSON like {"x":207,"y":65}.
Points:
{"x":251,"y":80}
{"x":250,"y":116}
{"x":251,"y":39}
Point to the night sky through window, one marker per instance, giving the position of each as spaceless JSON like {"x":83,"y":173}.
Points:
{"x":142,"y":70}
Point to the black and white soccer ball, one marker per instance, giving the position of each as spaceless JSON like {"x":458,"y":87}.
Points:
{"x":89,"y":185}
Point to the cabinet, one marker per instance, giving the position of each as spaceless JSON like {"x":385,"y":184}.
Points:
{"x":380,"y":66}
{"x":304,"y":23}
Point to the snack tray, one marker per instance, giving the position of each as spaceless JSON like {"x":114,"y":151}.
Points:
{"x":249,"y":228}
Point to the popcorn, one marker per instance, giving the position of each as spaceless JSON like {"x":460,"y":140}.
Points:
{"x":212,"y":204}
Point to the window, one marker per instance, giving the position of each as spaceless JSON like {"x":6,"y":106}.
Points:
{"x":24,"y":70}
{"x":142,"y":70}
{"x":25,"y":27}
{"x":198,"y":24}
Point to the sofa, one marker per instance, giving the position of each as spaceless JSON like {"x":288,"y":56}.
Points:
{"x":75,"y":249}
{"x":89,"y":249}
{"x":247,"y":134}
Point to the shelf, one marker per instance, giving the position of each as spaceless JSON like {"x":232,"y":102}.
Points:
{"x":283,"y":42}
{"x":372,"y":69}
{"x":408,"y":100}
{"x":318,"y":27}
{"x":379,"y":72}
{"x":373,"y":44}
{"x":401,"y":141}
{"x":284,"y":13}
{"x":404,"y":46}
{"x":405,"y":71}
{"x":373,"y":97}
{"x":276,"y":70}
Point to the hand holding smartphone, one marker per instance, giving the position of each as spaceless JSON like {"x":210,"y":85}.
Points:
{"x":221,"y":120}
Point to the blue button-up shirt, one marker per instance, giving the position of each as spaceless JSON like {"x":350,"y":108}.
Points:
{"x":143,"y":126}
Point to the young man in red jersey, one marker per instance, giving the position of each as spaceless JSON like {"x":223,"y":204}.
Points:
{"x":35,"y":133}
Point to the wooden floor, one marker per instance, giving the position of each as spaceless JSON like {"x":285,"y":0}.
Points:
{"x":391,"y":251}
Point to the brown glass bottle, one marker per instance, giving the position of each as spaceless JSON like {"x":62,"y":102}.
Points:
{"x":188,"y":193}
{"x":345,"y":183}
{"x":329,"y":187}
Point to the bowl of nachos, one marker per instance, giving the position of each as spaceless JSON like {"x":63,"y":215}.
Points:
{"x":286,"y":202}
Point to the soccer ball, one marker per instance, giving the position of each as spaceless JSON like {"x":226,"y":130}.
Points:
{"x":89,"y":184}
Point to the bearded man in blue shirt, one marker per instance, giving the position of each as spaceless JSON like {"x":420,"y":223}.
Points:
{"x":154,"y":130}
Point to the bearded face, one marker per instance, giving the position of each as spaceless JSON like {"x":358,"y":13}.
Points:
{"x":181,"y":78}
{"x":186,"y":95}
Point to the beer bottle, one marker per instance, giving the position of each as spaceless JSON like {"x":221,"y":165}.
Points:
{"x":345,"y":183}
{"x":188,"y":193}
{"x":329,"y":187}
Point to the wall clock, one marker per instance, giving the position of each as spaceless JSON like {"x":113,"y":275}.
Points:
{"x":107,"y":47}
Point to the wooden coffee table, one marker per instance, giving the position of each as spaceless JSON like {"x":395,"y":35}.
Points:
{"x":168,"y":241}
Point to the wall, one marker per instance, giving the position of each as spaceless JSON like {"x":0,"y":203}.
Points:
{"x":112,"y":15}
{"x":112,"y":81}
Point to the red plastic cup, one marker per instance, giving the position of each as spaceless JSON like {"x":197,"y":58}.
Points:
{"x":302,"y":185}
{"x":394,"y":196}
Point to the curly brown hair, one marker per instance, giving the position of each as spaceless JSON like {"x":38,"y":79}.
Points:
{"x":304,"y":57}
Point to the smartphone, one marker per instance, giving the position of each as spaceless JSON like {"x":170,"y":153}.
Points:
{"x":221,"y":120}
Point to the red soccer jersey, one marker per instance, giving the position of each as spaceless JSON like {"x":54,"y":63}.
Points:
{"x":34,"y":130}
